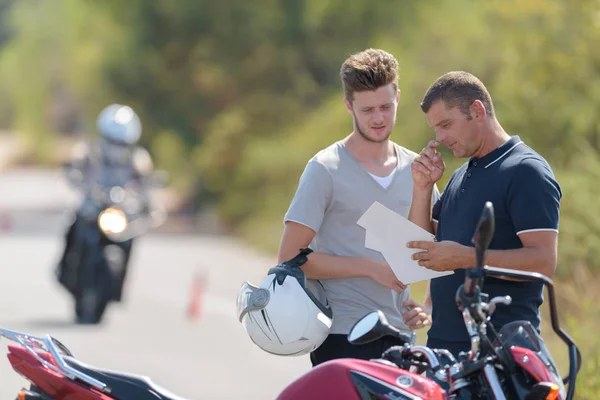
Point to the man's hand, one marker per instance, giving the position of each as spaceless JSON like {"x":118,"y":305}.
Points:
{"x":443,"y":256}
{"x":428,"y":167}
{"x":382,"y":273}
{"x":418,"y":316}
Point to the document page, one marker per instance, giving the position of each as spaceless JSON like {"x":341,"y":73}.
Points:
{"x":388,"y":232}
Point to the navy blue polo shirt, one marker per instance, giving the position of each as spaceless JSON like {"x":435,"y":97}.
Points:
{"x":526,"y":197}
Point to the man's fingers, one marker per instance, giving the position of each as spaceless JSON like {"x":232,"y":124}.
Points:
{"x":412,"y":321}
{"x":397,"y":288}
{"x":439,"y":162}
{"x":421,"y":255}
{"x":410,"y":303}
{"x":410,"y":315}
{"x":422,"y":324}
{"x":420,"y":244}
{"x":429,"y":265}
{"x":426,"y":161}
{"x":433,"y":144}
{"x":430,"y":153}
{"x":401,"y":285}
{"x":417,"y":321}
{"x":418,"y":167}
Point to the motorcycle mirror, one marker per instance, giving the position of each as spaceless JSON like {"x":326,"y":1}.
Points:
{"x":374,"y":326}
{"x":484,"y":233}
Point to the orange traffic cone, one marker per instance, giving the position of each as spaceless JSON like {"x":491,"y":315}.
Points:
{"x":195,"y":305}
{"x":5,"y":221}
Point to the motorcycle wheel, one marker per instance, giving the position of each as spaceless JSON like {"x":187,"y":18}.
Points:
{"x":93,"y":299}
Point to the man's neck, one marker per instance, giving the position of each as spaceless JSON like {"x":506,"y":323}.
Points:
{"x":366,"y":151}
{"x":494,"y":136}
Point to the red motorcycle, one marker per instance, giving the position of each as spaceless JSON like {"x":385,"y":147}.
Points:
{"x":55,"y":374}
{"x":510,"y":364}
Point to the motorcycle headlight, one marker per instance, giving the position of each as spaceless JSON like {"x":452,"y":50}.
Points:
{"x":112,"y":220}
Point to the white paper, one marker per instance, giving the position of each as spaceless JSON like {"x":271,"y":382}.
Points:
{"x":388,"y":233}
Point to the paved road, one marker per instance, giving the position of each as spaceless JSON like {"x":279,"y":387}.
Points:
{"x":205,"y":358}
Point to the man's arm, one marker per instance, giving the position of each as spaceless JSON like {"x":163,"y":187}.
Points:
{"x":327,"y":266}
{"x":319,"y":265}
{"x":420,"y":209}
{"x":427,"y":301}
{"x":534,"y":208}
{"x":427,"y":168}
{"x":539,"y":254}
{"x":533,"y":205}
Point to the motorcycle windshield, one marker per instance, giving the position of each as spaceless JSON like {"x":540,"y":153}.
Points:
{"x":251,"y":298}
{"x":523,"y":334}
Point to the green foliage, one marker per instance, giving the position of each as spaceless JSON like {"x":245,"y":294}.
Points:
{"x":579,"y":308}
{"x":239,"y":95}
{"x":580,"y":224}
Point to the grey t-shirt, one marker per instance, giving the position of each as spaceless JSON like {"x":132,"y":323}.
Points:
{"x":333,"y":193}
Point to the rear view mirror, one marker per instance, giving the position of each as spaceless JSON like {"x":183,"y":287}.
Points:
{"x":374,"y":326}
{"x":484,"y":233}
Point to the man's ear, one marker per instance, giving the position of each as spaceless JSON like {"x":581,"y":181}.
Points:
{"x":477,"y":110}
{"x":398,"y":96}
{"x":348,"y":105}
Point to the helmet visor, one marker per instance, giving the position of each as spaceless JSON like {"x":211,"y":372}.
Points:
{"x":251,"y":298}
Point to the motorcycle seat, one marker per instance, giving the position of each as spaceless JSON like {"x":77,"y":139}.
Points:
{"x":124,"y":386}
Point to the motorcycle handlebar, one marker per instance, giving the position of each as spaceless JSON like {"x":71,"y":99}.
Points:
{"x":574,"y":353}
{"x":400,"y":354}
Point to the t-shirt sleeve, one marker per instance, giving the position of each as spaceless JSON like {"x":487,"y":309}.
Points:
{"x":534,"y":198}
{"x":312,"y":198}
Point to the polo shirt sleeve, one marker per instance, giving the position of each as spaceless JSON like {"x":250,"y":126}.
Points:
{"x":312,"y":198}
{"x":534,"y":197}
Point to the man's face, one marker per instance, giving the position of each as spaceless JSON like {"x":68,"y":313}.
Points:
{"x":458,"y":131}
{"x":375,"y":112}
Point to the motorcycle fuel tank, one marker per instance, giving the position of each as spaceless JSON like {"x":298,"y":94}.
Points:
{"x":359,"y":379}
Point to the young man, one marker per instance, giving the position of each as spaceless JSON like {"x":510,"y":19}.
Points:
{"x":501,"y":169}
{"x":337,"y":186}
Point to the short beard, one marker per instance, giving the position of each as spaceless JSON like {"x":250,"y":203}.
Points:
{"x":364,"y":135}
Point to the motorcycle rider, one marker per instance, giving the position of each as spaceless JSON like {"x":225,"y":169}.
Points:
{"x":116,"y":160}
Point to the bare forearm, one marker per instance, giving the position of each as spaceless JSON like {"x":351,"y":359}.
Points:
{"x":525,"y":259}
{"x":530,"y":259}
{"x":327,"y":266}
{"x":321,"y":265}
{"x":420,"y":209}
{"x":427,"y":301}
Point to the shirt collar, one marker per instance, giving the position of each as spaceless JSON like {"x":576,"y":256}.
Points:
{"x":496,"y":154}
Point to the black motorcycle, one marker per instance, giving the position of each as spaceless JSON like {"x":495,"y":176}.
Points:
{"x":107,"y":223}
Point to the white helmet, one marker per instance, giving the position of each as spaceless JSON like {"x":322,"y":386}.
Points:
{"x":287,"y":315}
{"x":119,"y":124}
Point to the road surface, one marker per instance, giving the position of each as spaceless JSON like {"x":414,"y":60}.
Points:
{"x":206,"y":357}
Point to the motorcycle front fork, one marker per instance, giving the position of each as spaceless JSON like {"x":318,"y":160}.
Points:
{"x":468,"y":391}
